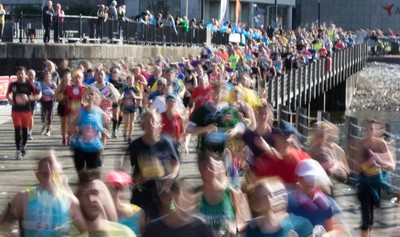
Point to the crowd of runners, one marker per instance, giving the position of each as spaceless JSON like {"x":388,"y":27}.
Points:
{"x":259,"y":176}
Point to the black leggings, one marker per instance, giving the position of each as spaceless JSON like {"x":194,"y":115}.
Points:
{"x":89,"y":158}
{"x":47,"y":112}
{"x":18,"y":137}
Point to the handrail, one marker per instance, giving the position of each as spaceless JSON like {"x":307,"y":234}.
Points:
{"x":298,"y":86}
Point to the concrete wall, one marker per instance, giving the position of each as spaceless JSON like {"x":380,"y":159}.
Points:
{"x":354,"y":14}
{"x":30,"y":55}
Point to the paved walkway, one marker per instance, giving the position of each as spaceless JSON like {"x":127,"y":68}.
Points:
{"x":17,"y":175}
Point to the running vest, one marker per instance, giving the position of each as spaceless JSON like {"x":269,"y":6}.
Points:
{"x":133,"y":222}
{"x":46,"y":215}
{"x":218,"y":216}
{"x":90,"y":126}
{"x":106,"y":105}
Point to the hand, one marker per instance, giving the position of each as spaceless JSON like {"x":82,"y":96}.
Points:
{"x":231,"y":132}
{"x":211,"y":128}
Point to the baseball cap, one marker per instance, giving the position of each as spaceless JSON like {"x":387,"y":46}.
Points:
{"x":312,"y":172}
{"x":170,"y":96}
{"x":162,"y":81}
{"x":171,"y":70}
{"x":285,"y":128}
{"x":118,"y":178}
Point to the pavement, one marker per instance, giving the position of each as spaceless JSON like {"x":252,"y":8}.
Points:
{"x":18,"y":175}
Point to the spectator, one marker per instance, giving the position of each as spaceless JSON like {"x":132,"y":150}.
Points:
{"x":2,"y":20}
{"x":58,"y":23}
{"x":121,"y":10}
{"x":158,"y":20}
{"x":48,"y":13}
{"x":112,"y":10}
{"x":102,"y":17}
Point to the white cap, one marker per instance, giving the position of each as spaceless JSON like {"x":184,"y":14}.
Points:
{"x":313,"y":172}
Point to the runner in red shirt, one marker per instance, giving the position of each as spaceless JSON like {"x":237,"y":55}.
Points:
{"x":202,"y":93}
{"x":172,"y":121}
{"x":20,"y":93}
{"x":74,"y":94}
{"x":282,"y":159}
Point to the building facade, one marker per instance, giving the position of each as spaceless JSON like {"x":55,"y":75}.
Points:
{"x":354,"y":14}
{"x":351,"y":15}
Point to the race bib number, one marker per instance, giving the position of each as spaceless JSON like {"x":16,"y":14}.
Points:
{"x":46,"y":98}
{"x":21,"y":99}
{"x":128,"y":102}
{"x":151,"y":167}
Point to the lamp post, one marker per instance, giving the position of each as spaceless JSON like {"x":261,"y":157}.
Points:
{"x":319,"y":14}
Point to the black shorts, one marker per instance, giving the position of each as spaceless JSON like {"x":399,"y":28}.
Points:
{"x":115,"y":105}
{"x":61,"y":110}
{"x":147,"y":198}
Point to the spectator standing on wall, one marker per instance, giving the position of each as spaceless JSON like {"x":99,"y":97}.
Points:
{"x":101,"y":18}
{"x":58,"y":22}
{"x":113,"y":10}
{"x":48,"y":13}
{"x":2,"y":20}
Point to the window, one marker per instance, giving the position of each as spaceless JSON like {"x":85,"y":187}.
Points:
{"x":172,"y":7}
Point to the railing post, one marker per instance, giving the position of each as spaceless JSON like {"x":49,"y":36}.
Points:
{"x":80,"y":26}
{"x":288,"y":83}
{"x":294,"y":80}
{"x":282,"y":89}
{"x":126,"y":32}
{"x":102,"y":32}
{"x":21,"y":24}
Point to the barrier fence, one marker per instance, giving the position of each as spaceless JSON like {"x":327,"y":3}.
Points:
{"x":29,"y":27}
{"x":4,"y":82}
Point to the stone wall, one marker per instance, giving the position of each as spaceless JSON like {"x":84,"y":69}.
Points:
{"x":30,"y":55}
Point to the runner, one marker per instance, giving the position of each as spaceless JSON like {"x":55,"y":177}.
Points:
{"x":48,"y":90}
{"x":129,"y":107}
{"x":50,"y":209}
{"x":372,"y":156}
{"x":74,"y":94}
{"x":62,"y":99}
{"x":20,"y":94}
{"x":89,"y":126}
{"x":31,"y":77}
{"x":155,"y":165}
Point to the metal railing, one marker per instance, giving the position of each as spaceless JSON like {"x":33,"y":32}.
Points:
{"x":299,"y":86}
{"x":22,"y":27}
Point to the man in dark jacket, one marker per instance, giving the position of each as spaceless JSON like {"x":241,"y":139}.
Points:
{"x":48,"y":13}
